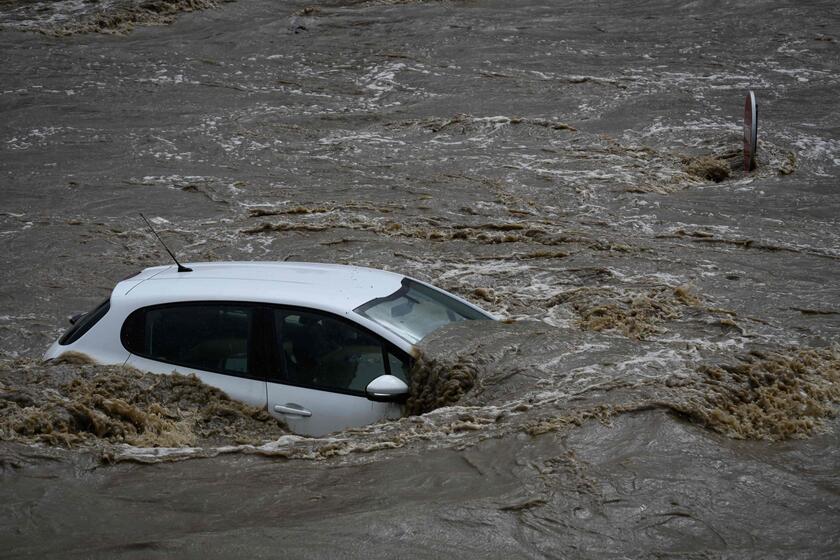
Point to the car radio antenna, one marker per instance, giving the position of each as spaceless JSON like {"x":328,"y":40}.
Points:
{"x":181,"y":268}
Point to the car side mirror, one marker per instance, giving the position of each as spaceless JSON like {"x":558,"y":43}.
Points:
{"x":387,"y":388}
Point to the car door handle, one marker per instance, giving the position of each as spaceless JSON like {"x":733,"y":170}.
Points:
{"x":291,"y":408}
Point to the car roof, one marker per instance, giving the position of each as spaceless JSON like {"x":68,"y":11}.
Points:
{"x":331,"y":287}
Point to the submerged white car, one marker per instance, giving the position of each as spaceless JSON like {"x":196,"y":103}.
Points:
{"x":322,"y":347}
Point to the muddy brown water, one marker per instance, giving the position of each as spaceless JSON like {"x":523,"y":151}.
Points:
{"x":668,"y":383}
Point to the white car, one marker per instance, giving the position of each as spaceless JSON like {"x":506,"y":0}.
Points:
{"x":323,"y":347}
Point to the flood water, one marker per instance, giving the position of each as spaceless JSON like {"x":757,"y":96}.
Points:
{"x":668,"y":381}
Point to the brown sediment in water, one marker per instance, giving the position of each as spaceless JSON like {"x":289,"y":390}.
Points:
{"x":788,"y":166}
{"x":525,"y":371}
{"x":465,"y":123}
{"x":479,"y":233}
{"x":323,"y":208}
{"x":435,"y":383}
{"x":768,"y":395}
{"x":577,"y":416}
{"x":74,"y":358}
{"x":636,"y":315}
{"x":266,"y":228}
{"x":481,"y":363}
{"x":765,"y":395}
{"x":259,"y":212}
{"x":700,"y":236}
{"x":72,"y":402}
{"x":319,"y":9}
{"x":708,"y":168}
{"x":666,"y":172}
{"x":320,"y":219}
{"x":121,"y":19}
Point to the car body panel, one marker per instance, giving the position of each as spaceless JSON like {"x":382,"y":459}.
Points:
{"x":334,"y":289}
{"x":102,"y":341}
{"x":329,"y":411}
{"x":249,"y":391}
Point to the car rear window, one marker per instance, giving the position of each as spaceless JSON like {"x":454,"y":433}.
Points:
{"x":85,"y":323}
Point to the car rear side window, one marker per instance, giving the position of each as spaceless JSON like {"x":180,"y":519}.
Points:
{"x":84,"y":323}
{"x":208,"y":336}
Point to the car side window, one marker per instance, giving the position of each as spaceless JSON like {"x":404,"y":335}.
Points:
{"x":319,"y":351}
{"x":399,"y":366}
{"x":211,"y":337}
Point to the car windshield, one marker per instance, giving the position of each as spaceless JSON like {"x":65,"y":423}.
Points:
{"x":415,"y":310}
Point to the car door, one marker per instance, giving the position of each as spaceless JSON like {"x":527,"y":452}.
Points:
{"x":215,"y":341}
{"x":323,"y":363}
